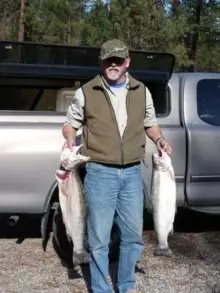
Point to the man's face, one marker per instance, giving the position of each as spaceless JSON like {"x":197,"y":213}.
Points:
{"x":114,"y":67}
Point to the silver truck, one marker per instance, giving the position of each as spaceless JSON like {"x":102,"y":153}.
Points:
{"x":37,"y":83}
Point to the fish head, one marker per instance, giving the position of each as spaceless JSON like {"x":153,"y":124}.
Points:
{"x":161,"y":160}
{"x":71,"y":159}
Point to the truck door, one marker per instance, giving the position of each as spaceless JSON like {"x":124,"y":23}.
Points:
{"x":202,"y":120}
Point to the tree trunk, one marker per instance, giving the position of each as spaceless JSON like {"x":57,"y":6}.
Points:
{"x":195,"y":37}
{"x":21,"y":21}
{"x":159,"y":3}
{"x":175,"y":4}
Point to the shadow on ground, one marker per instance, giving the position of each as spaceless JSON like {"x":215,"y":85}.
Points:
{"x":186,"y":221}
{"x":192,"y":238}
{"x":26,"y":227}
{"x":189,"y":221}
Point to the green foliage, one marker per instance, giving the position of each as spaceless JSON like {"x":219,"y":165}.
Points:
{"x":9,"y":14}
{"x":97,"y":25}
{"x":56,"y":21}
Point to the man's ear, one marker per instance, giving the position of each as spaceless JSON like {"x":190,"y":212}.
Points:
{"x":127,"y":62}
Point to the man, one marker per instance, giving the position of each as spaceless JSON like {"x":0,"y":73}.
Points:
{"x":116,"y":111}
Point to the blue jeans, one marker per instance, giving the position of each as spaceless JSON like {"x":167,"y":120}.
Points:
{"x":114,"y":192}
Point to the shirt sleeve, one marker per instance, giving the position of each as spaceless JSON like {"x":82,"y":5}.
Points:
{"x":150,"y":117}
{"x":75,"y":112}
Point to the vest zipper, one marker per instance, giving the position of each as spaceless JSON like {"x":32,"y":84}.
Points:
{"x":122,"y":154}
{"x":127,"y":108}
{"x":114,"y":116}
{"x":87,"y":129}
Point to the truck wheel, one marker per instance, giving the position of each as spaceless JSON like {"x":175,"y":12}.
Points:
{"x":60,"y":242}
{"x":64,"y":248}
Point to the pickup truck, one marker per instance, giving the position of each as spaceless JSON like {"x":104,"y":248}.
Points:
{"x":37,"y":84}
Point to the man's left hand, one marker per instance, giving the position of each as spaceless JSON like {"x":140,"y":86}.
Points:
{"x":163,"y":145}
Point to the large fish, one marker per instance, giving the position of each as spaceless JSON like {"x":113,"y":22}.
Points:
{"x":163,"y":194}
{"x":72,"y":202}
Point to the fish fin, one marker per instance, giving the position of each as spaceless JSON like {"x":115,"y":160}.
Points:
{"x":162,"y":252}
{"x":81,"y":258}
{"x":172,"y":175}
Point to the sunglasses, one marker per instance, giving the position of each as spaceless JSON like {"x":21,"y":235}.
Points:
{"x":115,"y":60}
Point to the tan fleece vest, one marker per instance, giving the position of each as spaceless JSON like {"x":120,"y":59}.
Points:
{"x":101,"y":137}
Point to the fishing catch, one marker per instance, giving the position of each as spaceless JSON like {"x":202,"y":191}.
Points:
{"x":163,"y":194}
{"x":72,"y":202}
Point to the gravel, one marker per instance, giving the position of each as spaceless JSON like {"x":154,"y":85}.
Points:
{"x":194,"y":267}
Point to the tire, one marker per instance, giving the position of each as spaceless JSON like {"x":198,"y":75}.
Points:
{"x":64,"y":248}
{"x":60,"y":242}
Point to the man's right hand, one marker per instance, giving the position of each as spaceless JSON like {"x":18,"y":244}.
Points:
{"x":69,"y":143}
{"x":69,"y":134}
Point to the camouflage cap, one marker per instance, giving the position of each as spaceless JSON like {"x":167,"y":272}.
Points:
{"x":113,"y":48}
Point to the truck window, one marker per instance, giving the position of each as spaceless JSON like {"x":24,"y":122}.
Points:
{"x":26,"y":95}
{"x":42,"y":95}
{"x":208,"y":101}
{"x":161,"y":97}
{"x":27,"y":99}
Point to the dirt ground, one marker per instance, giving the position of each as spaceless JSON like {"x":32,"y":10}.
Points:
{"x":194,"y":267}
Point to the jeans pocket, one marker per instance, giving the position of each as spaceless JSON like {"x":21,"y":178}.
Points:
{"x":93,"y":166}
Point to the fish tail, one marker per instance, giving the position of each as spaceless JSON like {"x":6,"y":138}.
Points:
{"x":81,"y":258}
{"x":162,"y":236}
{"x":158,"y":251}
